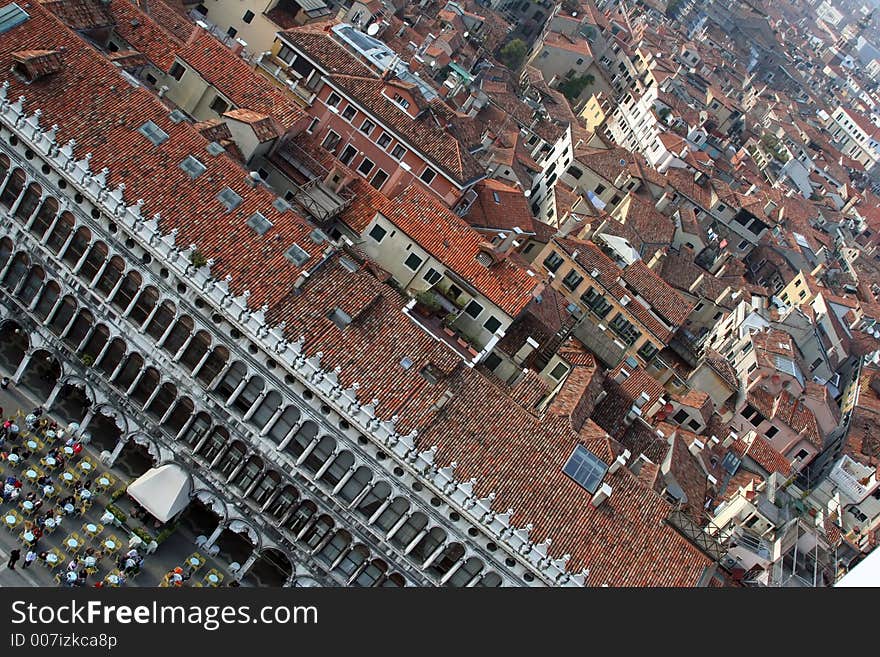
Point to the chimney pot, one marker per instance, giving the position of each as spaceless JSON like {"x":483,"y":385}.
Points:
{"x":601,"y":495}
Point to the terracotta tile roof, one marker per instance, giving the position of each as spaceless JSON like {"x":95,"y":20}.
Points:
{"x":38,"y":63}
{"x":664,"y":300}
{"x":696,"y":399}
{"x":577,"y":396}
{"x":173,"y":21}
{"x":318,"y":44}
{"x":511,"y":210}
{"x":690,"y":477}
{"x":862,"y":442}
{"x":80,"y":14}
{"x":260,"y":123}
{"x":606,"y":162}
{"x":759,"y":450}
{"x":447,"y":237}
{"x":433,"y":134}
{"x":510,"y":452}
{"x":652,"y":227}
{"x":223,"y":69}
{"x":721,"y":366}
{"x":144,"y":34}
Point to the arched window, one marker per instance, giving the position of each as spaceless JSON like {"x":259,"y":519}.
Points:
{"x":392,"y":513}
{"x":110,"y":276}
{"x":48,"y":297}
{"x":13,"y":188}
{"x":44,"y":217}
{"x":29,"y":202}
{"x":77,"y":247}
{"x":374,"y":499}
{"x":32,"y":284}
{"x":19,"y":268}
{"x":61,"y":232}
{"x":338,"y":468}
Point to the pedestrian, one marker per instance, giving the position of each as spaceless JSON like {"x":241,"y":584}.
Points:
{"x":4,"y":382}
{"x":14,"y":556}
{"x":29,"y":558}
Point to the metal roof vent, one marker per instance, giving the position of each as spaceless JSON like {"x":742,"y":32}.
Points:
{"x":297,"y":255}
{"x":258,"y":222}
{"x":229,"y":198}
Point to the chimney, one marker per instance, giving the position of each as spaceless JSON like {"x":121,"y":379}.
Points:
{"x":619,"y":462}
{"x":525,"y":351}
{"x":601,"y":495}
{"x":696,"y":447}
{"x":238,"y":45}
{"x":621,"y":376}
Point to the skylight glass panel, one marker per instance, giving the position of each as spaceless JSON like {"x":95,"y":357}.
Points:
{"x":193,"y":167}
{"x":154,"y":133}
{"x":297,"y":255}
{"x":585,"y":468}
{"x":229,"y":198}
{"x":11,"y":16}
{"x":177,"y":116}
{"x":259,"y":223}
{"x":214,"y":148}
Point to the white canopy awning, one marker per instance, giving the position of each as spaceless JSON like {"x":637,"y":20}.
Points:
{"x":163,"y":491}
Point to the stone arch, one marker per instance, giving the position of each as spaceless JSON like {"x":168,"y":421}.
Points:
{"x":4,"y":165}
{"x":6,"y":248}
{"x":197,"y":429}
{"x":353,"y":559}
{"x":13,"y":188}
{"x":95,"y":344}
{"x":410,"y":529}
{"x":96,"y":256}
{"x":471,"y":568}
{"x":179,"y":334}
{"x":18,"y":269}
{"x":338,"y":468}
{"x":334,"y":548}
{"x":183,"y":410}
{"x":448,"y":558}
{"x":62,"y":230}
{"x":48,"y":296}
{"x":230,"y":381}
{"x":211,"y":501}
{"x":249,"y":473}
{"x":213,"y":365}
{"x":75,"y":381}
{"x":244,"y":528}
{"x":131,"y":284}
{"x":162,"y":400}
{"x":356,"y":484}
{"x":142,"y":439}
{"x":232,"y":457}
{"x":318,"y":531}
{"x":79,"y":244}
{"x":144,"y":302}
{"x":249,"y":395}
{"x":489,"y":580}
{"x":111,"y":412}
{"x":374,"y":499}
{"x":196,"y":350}
{"x":303,"y":438}
{"x":14,"y":344}
{"x":42,"y":373}
{"x":394,"y":580}
{"x":320,"y":453}
{"x":275,"y":559}
{"x":144,"y":385}
{"x":270,"y":481}
{"x":266,"y":410}
{"x":371,"y":574}
{"x":29,"y":202}
{"x":128,"y":373}
{"x":45,"y":217}
{"x":284,"y":424}
{"x":33,"y":283}
{"x":216,"y":441}
{"x":162,"y":319}
{"x":301,"y":516}
{"x":284,"y":502}
{"x":80,"y":327}
{"x":113,"y":356}
{"x":435,"y":537}
{"x":392,"y":513}
{"x":110,"y":276}
{"x":64,"y":314}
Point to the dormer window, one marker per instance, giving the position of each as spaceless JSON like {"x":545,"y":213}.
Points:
{"x":401,"y":101}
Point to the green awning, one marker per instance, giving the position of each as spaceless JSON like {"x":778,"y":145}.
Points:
{"x":464,"y":75}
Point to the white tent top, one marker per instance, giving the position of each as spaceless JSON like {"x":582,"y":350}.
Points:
{"x":163,"y":491}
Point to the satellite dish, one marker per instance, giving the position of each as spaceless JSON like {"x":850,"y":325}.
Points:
{"x":622,"y":162}
{"x":373,"y":29}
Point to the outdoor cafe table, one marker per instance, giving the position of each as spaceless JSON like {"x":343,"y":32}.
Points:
{"x":85,"y":466}
{"x":31,"y":474}
{"x":92,"y":529}
{"x":111,"y":544}
{"x":49,"y":462}
{"x":68,"y":508}
{"x":53,"y":558}
{"x":13,"y":458}
{"x":213,"y":578}
{"x":68,"y":450}
{"x":113,"y":578}
{"x":195,"y":561}
{"x":85,"y":494}
{"x":28,"y":536}
{"x":32,"y":444}
{"x":27,"y":505}
{"x":72,"y":543}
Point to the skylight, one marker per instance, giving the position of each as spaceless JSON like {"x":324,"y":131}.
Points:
{"x":193,"y":167}
{"x":585,"y":468}
{"x":259,"y":223}
{"x":281,"y":205}
{"x":297,"y":255}
{"x":214,"y":148}
{"x":154,"y":133}
{"x":11,"y":16}
{"x":177,"y":116}
{"x":229,"y":198}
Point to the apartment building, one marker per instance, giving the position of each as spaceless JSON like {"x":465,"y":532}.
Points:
{"x":856,"y":136}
